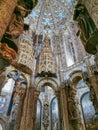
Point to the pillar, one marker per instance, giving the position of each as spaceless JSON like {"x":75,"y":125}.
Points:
{"x":20,"y":109}
{"x":60,"y":110}
{"x":30,"y":109}
{"x":24,"y":114}
{"x":65,"y":110}
{"x":36,"y":94}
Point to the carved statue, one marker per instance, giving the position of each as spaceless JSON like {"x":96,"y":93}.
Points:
{"x":16,"y":98}
{"x":46,"y":115}
{"x":16,"y":24}
{"x":85,"y":23}
{"x":72,"y":108}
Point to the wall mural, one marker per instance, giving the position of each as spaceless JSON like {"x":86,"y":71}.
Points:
{"x":54,"y":114}
{"x":88,"y":111}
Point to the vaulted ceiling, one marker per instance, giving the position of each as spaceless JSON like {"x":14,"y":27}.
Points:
{"x":50,"y":16}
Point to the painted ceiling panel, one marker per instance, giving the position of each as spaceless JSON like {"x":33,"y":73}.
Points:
{"x":50,"y":15}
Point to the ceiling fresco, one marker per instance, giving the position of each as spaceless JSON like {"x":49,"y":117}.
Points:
{"x":50,"y":16}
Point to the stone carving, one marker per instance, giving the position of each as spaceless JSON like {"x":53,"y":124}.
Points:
{"x":85,"y":23}
{"x":46,"y":112}
{"x":72,"y":105}
{"x":25,"y":59}
{"x":18,"y":93}
{"x":47,"y":64}
{"x":16,"y":25}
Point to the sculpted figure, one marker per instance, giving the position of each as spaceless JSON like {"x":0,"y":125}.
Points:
{"x":16,"y":25}
{"x":72,"y":107}
{"x":85,"y":23}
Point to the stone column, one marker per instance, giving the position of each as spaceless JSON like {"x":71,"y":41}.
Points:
{"x":20,"y":108}
{"x":65,"y":110}
{"x":6,"y":9}
{"x":24,"y":114}
{"x":36,"y":94}
{"x":30,"y":109}
{"x":59,"y":109}
{"x":73,"y":110}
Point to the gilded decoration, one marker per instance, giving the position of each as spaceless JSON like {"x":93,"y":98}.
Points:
{"x":7,"y":52}
{"x":6,"y":10}
{"x":16,"y":24}
{"x":46,"y":64}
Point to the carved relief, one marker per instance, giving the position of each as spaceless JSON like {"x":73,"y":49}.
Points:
{"x":26,"y":51}
{"x":47,"y":64}
{"x":16,"y":24}
{"x":72,"y":107}
{"x":46,"y":112}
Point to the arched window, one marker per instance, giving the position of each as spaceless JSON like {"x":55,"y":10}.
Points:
{"x":54,"y":114}
{"x":88,"y":110}
{"x":38,"y":115}
{"x":8,"y":87}
{"x":1,"y":127}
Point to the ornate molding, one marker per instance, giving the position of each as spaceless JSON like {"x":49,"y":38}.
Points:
{"x":47,"y":65}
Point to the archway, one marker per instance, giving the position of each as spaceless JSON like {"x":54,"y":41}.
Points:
{"x":78,"y":87}
{"x":46,"y":99}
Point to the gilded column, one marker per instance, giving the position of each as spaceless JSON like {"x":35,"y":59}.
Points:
{"x":23,"y":120}
{"x":20,"y":108}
